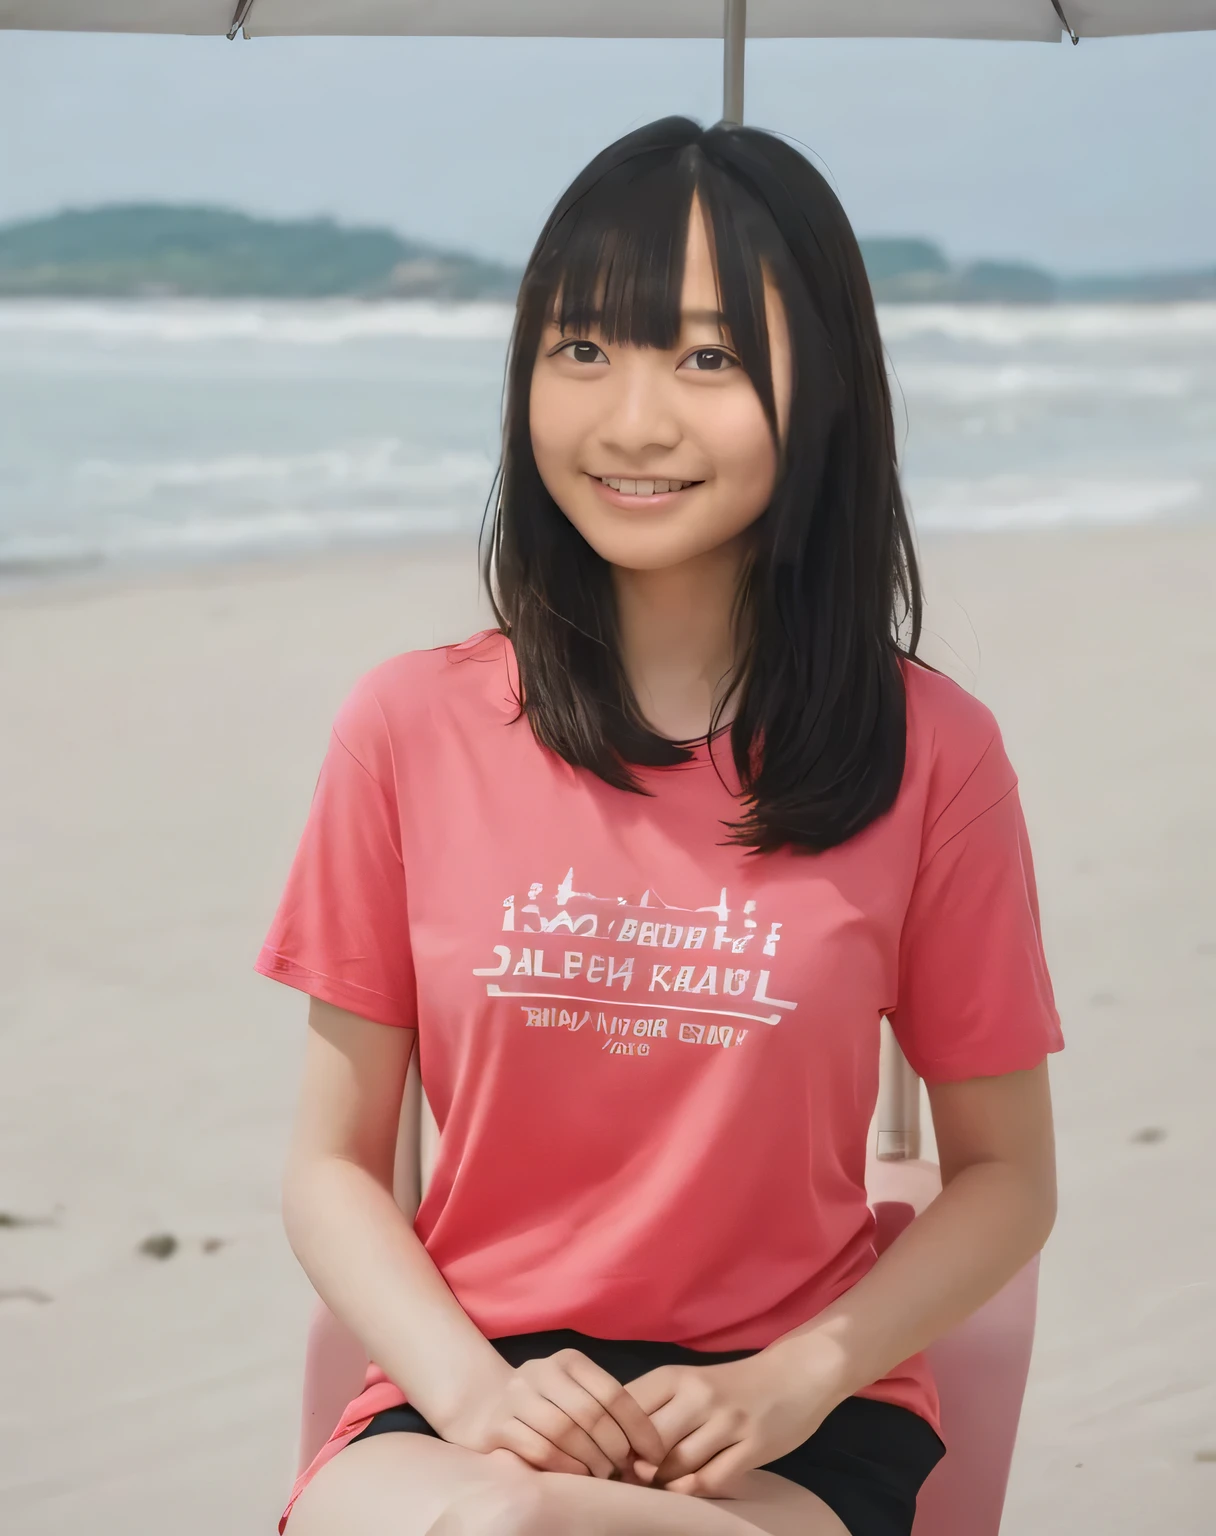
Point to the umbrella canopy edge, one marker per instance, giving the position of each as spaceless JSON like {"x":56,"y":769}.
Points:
{"x":997,"y":20}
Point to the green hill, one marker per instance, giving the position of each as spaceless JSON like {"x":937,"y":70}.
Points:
{"x":143,"y":250}
{"x":917,"y":271}
{"x":150,"y":250}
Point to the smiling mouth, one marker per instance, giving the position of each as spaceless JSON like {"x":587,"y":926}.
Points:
{"x":644,"y":487}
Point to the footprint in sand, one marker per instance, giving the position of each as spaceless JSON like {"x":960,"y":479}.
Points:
{"x":28,"y":1293}
{"x":161,"y":1245}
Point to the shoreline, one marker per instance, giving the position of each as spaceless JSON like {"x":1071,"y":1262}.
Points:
{"x":103,"y":579}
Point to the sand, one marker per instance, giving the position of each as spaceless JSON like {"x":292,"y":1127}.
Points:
{"x":161,"y":739}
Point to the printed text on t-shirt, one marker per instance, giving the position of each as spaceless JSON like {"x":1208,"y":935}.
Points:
{"x":595,"y":947}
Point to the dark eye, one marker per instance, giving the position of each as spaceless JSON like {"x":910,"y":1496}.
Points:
{"x":583,"y":351}
{"x":709,"y":360}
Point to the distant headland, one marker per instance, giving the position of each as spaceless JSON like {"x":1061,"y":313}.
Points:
{"x":148,"y":250}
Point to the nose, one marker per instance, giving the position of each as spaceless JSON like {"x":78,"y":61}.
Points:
{"x":640,"y":419}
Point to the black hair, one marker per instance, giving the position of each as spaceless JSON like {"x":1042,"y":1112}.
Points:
{"x":819,"y":731}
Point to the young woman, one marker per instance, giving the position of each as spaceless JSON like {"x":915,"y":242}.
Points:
{"x":638,"y":873}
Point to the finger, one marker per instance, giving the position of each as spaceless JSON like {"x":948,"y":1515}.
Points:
{"x":633,"y":1421}
{"x":506,"y":1458}
{"x":555,"y":1424}
{"x":693,"y":1453}
{"x":675,"y":1421}
{"x":654,"y":1388}
{"x":673,"y":1405}
{"x":590,"y":1415}
{"x":719,"y":1478}
{"x":539,"y":1453}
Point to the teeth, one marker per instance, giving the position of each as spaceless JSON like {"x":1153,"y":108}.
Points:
{"x":644,"y":487}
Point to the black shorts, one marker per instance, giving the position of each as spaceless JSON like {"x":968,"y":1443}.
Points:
{"x":866,"y":1461}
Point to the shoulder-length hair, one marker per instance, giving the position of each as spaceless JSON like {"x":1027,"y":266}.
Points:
{"x":819,"y":730}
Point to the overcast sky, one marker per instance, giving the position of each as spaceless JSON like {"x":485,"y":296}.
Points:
{"x":1096,"y":158}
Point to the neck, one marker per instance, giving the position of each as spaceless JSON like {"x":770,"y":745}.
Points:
{"x":678,"y":647}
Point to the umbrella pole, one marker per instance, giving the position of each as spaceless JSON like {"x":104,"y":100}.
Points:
{"x":734,"y":40}
{"x":898,"y":1102}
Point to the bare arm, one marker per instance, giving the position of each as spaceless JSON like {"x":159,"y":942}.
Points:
{"x":359,"y":1249}
{"x":994,"y":1212}
{"x":351,"y":1237}
{"x":996,"y":1209}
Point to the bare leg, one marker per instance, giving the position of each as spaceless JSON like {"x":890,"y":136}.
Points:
{"x":769,"y":1504}
{"x":398,"y":1485}
{"x":412,"y":1485}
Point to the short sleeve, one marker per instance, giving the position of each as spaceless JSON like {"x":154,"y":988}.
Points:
{"x":341,"y":931}
{"x":974,"y":994}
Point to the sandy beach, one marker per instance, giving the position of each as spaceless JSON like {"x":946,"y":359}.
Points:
{"x":161,"y":742}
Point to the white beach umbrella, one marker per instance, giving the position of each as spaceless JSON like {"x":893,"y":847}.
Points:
{"x":1048,"y":21}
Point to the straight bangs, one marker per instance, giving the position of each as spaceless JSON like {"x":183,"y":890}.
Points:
{"x":616,"y":261}
{"x":818,"y":733}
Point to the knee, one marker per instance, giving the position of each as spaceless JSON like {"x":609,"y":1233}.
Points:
{"x":513,"y":1506}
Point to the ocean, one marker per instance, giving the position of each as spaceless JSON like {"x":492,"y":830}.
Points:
{"x":158,"y":434}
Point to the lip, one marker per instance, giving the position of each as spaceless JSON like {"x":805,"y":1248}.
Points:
{"x":640,"y":503}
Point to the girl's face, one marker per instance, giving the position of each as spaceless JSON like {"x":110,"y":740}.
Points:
{"x":656,"y":456}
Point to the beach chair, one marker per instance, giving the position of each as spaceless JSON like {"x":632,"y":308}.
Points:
{"x":980,"y":1367}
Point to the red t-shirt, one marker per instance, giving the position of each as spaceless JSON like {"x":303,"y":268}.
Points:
{"x":651,"y":1056}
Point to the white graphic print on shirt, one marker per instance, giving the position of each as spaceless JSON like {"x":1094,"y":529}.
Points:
{"x":707,"y":1001}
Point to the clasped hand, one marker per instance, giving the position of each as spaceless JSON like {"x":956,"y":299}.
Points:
{"x":718,"y":1422}
{"x":690,"y":1429}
